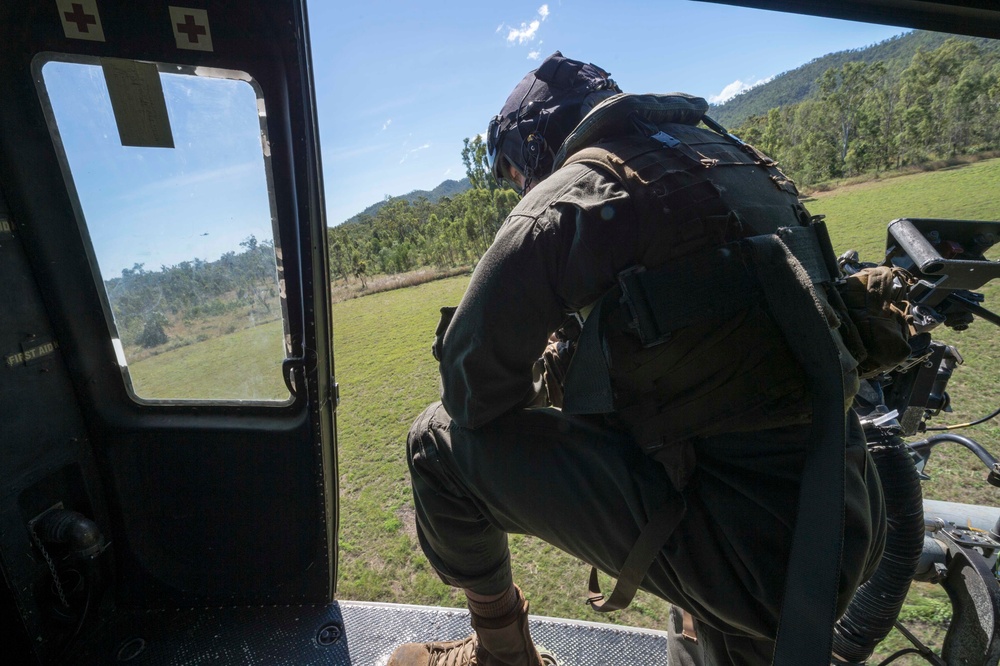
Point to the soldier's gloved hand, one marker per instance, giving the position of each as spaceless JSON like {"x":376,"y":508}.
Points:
{"x":555,"y":360}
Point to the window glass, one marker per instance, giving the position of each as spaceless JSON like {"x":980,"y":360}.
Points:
{"x":170,"y":170}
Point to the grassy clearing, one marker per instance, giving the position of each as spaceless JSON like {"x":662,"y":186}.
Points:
{"x":933,"y":165}
{"x":245,"y":365}
{"x":345,"y":289}
{"x":858,"y":214}
{"x":387,"y":376}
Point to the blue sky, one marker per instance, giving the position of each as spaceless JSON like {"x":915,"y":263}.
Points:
{"x":161,"y":206}
{"x":399,"y":84}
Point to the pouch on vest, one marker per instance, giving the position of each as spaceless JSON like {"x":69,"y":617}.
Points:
{"x":447,"y":314}
{"x":874,"y":298}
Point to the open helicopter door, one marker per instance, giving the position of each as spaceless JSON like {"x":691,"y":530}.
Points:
{"x":166,"y":390}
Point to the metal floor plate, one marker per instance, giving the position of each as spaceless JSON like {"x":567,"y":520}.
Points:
{"x":342,"y":633}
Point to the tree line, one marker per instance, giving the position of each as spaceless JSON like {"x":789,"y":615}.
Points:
{"x":868,"y":118}
{"x":802,"y":82}
{"x":402,"y":235}
{"x":146,"y":303}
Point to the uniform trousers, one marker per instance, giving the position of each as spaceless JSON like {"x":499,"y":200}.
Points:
{"x":588,"y":489}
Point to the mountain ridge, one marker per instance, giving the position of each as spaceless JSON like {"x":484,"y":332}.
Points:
{"x":447,"y":188}
{"x":799,"y":84}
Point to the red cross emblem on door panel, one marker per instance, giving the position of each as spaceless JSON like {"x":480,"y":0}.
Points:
{"x":80,"y":19}
{"x":191,"y":29}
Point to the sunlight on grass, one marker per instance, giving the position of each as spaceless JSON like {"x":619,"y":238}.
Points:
{"x":245,"y":365}
{"x":858,"y":215}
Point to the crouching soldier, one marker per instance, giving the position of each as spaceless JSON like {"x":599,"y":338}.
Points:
{"x":646,"y":372}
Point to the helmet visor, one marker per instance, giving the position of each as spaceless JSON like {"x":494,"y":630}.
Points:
{"x":494,"y":142}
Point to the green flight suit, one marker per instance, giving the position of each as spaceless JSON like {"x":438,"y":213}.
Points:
{"x":484,"y":463}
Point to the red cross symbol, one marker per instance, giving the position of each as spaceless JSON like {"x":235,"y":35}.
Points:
{"x":80,"y":17}
{"x":189,"y":28}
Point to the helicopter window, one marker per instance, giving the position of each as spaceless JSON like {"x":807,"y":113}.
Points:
{"x":170,"y":169}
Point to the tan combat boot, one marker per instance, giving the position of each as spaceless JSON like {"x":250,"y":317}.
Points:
{"x":501,"y":641}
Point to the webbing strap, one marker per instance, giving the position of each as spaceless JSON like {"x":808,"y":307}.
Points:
{"x":809,"y":604}
{"x":806,"y":244}
{"x":651,"y":541}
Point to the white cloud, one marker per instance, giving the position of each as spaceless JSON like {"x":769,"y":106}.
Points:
{"x":413,"y":151}
{"x":386,"y":124}
{"x":534,"y":55}
{"x":527,"y":31}
{"x":735,"y":88}
{"x":331,"y":155}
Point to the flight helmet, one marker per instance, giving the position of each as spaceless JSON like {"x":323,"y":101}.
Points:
{"x":540,"y":113}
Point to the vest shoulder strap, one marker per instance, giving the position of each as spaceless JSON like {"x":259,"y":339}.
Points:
{"x":669,"y":183}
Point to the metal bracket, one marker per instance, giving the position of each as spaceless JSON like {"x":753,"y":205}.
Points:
{"x":974,"y":633}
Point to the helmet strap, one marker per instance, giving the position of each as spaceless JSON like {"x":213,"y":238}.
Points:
{"x":534,"y":150}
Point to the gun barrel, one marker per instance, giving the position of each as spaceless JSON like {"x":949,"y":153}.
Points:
{"x":964,"y":515}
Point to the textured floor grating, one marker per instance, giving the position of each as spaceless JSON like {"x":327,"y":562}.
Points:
{"x":345,"y":633}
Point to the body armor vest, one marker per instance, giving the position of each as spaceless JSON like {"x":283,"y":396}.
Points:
{"x":717,"y":361}
{"x":723,"y":324}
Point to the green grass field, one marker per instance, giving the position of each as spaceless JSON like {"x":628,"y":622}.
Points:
{"x":245,"y":365}
{"x":387,"y":376}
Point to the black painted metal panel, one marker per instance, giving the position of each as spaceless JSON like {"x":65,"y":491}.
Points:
{"x":978,"y":18}
{"x":208,"y":503}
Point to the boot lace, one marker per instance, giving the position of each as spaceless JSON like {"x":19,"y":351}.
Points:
{"x":460,"y":654}
{"x":465,"y":653}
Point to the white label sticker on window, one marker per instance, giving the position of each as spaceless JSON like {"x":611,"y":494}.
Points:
{"x":137,"y":101}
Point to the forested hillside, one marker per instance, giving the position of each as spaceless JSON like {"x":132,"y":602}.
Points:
{"x":865,"y":117}
{"x":404,"y":235}
{"x":448,"y":188}
{"x":802,"y":83}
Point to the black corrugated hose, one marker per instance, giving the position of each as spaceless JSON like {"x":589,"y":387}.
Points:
{"x":872,"y":612}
